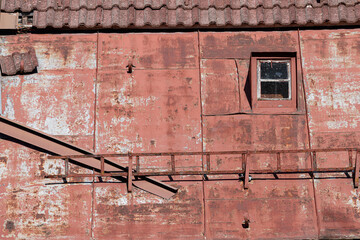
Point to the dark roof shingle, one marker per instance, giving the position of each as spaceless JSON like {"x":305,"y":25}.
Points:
{"x":184,"y":13}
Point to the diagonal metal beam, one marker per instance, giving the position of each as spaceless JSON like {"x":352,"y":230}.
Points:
{"x":33,"y":138}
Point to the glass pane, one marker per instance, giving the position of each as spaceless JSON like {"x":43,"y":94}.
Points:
{"x":275,"y":90}
{"x":274,"y":70}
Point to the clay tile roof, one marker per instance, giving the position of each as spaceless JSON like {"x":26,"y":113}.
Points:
{"x":19,"y":62}
{"x":185,"y":13}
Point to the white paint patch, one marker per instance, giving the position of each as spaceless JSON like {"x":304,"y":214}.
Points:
{"x":9,"y":111}
{"x":354,"y":200}
{"x":118,"y":200}
{"x":3,"y":167}
{"x":147,"y":200}
{"x":57,"y":125}
{"x":10,"y":82}
{"x":54,"y":166}
{"x":337,"y":124}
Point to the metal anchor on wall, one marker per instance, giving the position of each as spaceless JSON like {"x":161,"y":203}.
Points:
{"x":130,"y":65}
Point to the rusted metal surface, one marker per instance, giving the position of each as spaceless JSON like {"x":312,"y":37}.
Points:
{"x":338,"y":208}
{"x":30,"y":209}
{"x":275,"y":209}
{"x":31,"y":100}
{"x":332,"y":96}
{"x":220,"y":86}
{"x":55,"y":146}
{"x":330,"y":63}
{"x":245,"y":166}
{"x":84,"y":94}
{"x":141,"y":216}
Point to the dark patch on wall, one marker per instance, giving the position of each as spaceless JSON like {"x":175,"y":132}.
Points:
{"x":10,"y":226}
{"x":3,"y":160}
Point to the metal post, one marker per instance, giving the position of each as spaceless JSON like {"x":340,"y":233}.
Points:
{"x":247,"y":172}
{"x":278,"y":161}
{"x":129,"y":186}
{"x":102,"y":165}
{"x":137,"y":164}
{"x":66,"y":167}
{"x":313,"y":162}
{"x":357,"y":167}
{"x":208,"y":162}
{"x":173,"y":163}
{"x":350,"y":158}
{"x":243,"y":161}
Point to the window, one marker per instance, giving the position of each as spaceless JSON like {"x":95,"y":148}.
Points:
{"x":273,"y":84}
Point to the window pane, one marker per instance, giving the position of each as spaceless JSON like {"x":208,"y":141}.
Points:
{"x":275,"y":90}
{"x":274,"y":70}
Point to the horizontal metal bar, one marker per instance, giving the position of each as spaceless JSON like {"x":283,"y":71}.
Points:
{"x":205,"y":153}
{"x":218,"y":172}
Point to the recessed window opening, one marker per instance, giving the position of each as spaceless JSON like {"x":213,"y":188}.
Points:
{"x":273,"y":82}
{"x":274,"y":79}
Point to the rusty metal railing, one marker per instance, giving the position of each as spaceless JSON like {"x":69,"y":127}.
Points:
{"x":206,"y":165}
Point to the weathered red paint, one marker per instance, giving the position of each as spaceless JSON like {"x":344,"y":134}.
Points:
{"x":178,"y":98}
{"x":220,"y":86}
{"x":142,"y":216}
{"x":330,"y":63}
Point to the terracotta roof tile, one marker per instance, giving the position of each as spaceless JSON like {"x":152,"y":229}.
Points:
{"x":186,"y":13}
{"x":19,"y":62}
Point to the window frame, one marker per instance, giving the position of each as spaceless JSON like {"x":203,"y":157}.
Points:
{"x":273,"y":105}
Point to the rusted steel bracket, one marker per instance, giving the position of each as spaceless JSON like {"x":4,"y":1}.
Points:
{"x":244,"y":172}
{"x":173,"y":163}
{"x":278,"y":161}
{"x":129,"y":178}
{"x":356,"y":171}
{"x":48,"y":144}
{"x":247,"y":171}
{"x":208,"y":162}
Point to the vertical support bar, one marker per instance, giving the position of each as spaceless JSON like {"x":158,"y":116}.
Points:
{"x":208,"y":162}
{"x":172,"y":163}
{"x":247,"y":172}
{"x":350,"y":158}
{"x":66,"y":167}
{"x":313,"y":162}
{"x":357,"y":168}
{"x":129,"y":183}
{"x":137,"y":164}
{"x":243,"y":161}
{"x":278,"y":161}
{"x":102,"y":165}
